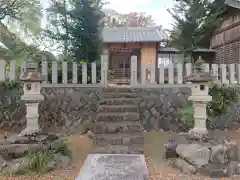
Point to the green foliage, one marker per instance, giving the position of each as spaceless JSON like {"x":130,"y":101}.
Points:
{"x":64,"y":149}
{"x":20,"y":20}
{"x":77,"y":27}
{"x":39,"y":161}
{"x":194,"y":23}
{"x":10,"y":85}
{"x":222,"y":98}
{"x":187,"y":113}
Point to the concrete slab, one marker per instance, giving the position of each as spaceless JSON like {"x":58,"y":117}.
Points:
{"x":114,"y":167}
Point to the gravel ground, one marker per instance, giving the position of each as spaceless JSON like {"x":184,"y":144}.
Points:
{"x":158,"y":170}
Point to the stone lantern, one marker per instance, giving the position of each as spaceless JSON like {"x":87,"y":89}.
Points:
{"x":200,"y":87}
{"x":31,"y":96}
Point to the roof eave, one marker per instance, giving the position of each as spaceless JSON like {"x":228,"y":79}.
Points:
{"x":233,"y":4}
{"x":109,"y":42}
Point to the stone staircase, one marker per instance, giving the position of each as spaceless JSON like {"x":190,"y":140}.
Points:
{"x":117,"y":129}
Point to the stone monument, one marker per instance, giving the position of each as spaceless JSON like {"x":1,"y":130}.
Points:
{"x":31,"y":87}
{"x":114,"y":167}
{"x":200,"y":86}
{"x":199,"y":151}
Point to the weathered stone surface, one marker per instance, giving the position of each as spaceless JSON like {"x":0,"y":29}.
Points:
{"x":233,"y":168}
{"x":118,"y":139}
{"x":15,"y":139}
{"x":66,"y":109}
{"x":213,"y":157}
{"x":120,"y":101}
{"x":61,"y":161}
{"x":174,"y":139}
{"x":215,"y":170}
{"x":55,"y":145}
{"x":114,"y":127}
{"x":117,"y":117}
{"x":15,"y":153}
{"x":120,"y":95}
{"x":118,"y":108}
{"x":118,"y":149}
{"x":18,"y":150}
{"x":184,"y":166}
{"x":170,"y":147}
{"x":17,"y":166}
{"x":114,"y":167}
{"x":196,"y":154}
{"x":218,"y":154}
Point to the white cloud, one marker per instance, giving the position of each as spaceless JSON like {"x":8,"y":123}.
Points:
{"x":158,"y":9}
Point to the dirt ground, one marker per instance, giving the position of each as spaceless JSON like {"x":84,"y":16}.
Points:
{"x":158,"y":168}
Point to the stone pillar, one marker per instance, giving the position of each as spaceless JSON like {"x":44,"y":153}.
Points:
{"x":104,"y":67}
{"x":200,"y":81}
{"x":31,"y":96}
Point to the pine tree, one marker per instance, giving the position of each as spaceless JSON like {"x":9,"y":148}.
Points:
{"x":195,"y":20}
{"x":79,"y":24}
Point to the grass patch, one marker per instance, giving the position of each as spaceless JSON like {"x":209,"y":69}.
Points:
{"x":39,"y":161}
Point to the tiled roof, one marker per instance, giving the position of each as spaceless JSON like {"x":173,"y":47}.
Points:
{"x":175,"y":50}
{"x":233,"y":3}
{"x":134,"y":34}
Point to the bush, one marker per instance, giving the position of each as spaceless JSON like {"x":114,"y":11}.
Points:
{"x":222,"y":98}
{"x":39,"y":161}
{"x":64,"y":149}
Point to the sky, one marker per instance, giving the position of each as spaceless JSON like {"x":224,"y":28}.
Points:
{"x":156,"y":8}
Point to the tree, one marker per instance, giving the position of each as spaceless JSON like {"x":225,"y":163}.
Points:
{"x":79,"y":24}
{"x":133,"y":19}
{"x":194,"y":23}
{"x":20,"y":20}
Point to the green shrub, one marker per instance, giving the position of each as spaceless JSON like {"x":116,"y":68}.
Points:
{"x":9,"y":85}
{"x":187,"y":113}
{"x":222,"y":98}
{"x":39,"y":161}
{"x":64,"y":149}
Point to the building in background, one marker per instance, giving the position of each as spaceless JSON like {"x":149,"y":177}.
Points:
{"x":225,"y":40}
{"x":121,"y":43}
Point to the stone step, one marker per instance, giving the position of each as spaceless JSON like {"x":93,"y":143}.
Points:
{"x":118,"y":139}
{"x":133,"y":149}
{"x":118,"y":108}
{"x":110,"y":95}
{"x":121,"y":89}
{"x":119,"y":101}
{"x":115,"y":127}
{"x":117,"y":117}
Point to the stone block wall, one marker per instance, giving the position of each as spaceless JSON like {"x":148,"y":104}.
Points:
{"x":159,"y":108}
{"x":67,"y":109}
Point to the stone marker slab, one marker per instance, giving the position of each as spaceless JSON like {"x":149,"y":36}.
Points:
{"x":114,"y":167}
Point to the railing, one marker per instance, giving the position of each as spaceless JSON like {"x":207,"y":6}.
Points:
{"x":61,"y":72}
{"x":94,"y":74}
{"x":175,"y":73}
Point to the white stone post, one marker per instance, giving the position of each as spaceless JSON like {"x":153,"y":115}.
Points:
{"x":133,"y":70}
{"x":104,"y":68}
{"x":31,"y":96}
{"x":200,"y":99}
{"x":200,"y":86}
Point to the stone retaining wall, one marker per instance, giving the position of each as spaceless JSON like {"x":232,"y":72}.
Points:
{"x":66,"y":109}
